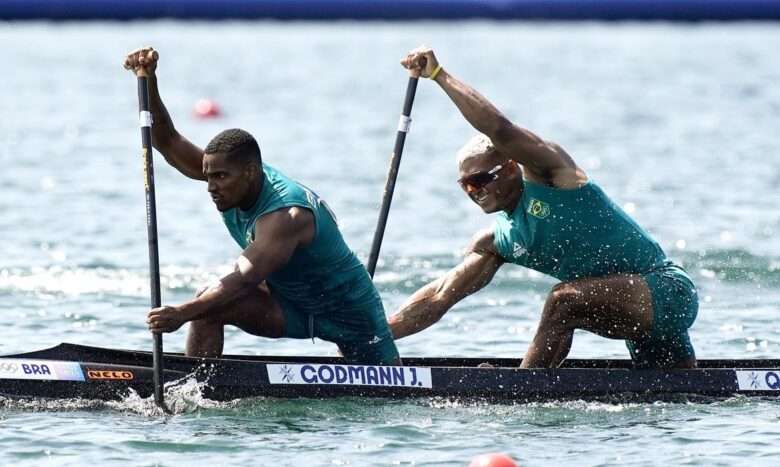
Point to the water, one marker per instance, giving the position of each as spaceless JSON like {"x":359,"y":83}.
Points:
{"x":676,"y":122}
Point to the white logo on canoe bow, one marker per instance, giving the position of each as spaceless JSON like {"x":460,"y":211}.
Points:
{"x":754,"y":380}
{"x":287,"y":374}
{"x":758,"y":380}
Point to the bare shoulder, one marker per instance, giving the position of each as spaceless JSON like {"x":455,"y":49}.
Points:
{"x":566,"y":175}
{"x":291,"y":222}
{"x":481,"y":260}
{"x":299,"y":216}
{"x":543,"y":161}
{"x":483,"y":243}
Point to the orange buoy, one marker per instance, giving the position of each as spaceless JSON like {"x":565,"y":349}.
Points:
{"x":206,"y":108}
{"x":493,"y":460}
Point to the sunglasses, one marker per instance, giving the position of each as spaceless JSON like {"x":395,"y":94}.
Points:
{"x":479,"y":180}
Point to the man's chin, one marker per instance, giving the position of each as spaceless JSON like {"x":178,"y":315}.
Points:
{"x":486,"y":208}
{"x":221,"y":207}
{"x":489,"y":209}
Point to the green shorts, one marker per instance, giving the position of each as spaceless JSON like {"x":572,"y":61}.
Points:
{"x":362,"y":335}
{"x":675,"y":305}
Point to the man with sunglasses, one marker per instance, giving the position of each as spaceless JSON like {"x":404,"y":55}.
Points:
{"x":616,"y":281}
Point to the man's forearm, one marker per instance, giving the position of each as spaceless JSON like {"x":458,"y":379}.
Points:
{"x":231,"y":287}
{"x":422,"y":310}
{"x":476,"y":109}
{"x":163,"y":130}
{"x":177,"y":150}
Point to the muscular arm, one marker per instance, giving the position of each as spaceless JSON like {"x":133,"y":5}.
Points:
{"x":430,"y":303}
{"x":186,"y":157}
{"x":545,"y":161}
{"x":277,"y":235}
{"x":177,"y":150}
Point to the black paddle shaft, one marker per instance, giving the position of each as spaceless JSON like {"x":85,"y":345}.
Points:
{"x":392,"y":175}
{"x":145,"y":118}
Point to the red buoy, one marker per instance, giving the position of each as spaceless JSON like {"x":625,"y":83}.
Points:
{"x":493,"y":460}
{"x":206,"y":108}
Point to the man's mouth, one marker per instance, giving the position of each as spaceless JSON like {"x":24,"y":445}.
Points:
{"x":480,"y":196}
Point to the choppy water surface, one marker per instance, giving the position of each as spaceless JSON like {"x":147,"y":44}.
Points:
{"x":677,"y":123}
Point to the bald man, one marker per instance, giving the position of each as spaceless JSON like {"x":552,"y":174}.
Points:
{"x":615,"y":280}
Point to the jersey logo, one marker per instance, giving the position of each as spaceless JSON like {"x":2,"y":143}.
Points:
{"x":310,"y":197}
{"x":538,"y":209}
{"x":518,"y":250}
{"x":375,"y":340}
{"x":315,"y":201}
{"x":250,"y":236}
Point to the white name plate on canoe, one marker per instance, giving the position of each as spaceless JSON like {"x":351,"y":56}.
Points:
{"x":758,"y":380}
{"x":15,"y":368}
{"x":349,"y":375}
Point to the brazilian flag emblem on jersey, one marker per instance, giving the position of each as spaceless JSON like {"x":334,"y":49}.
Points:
{"x":538,"y":209}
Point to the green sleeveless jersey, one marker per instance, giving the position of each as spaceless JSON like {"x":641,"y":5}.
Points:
{"x":322,"y":277}
{"x":571,"y":234}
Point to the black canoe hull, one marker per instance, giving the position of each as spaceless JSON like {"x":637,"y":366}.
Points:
{"x":73,"y":371}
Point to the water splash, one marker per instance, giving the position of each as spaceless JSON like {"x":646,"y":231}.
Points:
{"x":183,"y":396}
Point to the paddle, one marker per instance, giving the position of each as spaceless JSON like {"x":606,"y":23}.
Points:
{"x":145,"y":118}
{"x":392,"y":175}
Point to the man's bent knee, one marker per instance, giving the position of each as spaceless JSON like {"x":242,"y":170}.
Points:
{"x":204,"y":324}
{"x":561,"y":305}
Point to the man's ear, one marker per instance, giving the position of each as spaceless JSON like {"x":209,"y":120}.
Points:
{"x":252,"y":170}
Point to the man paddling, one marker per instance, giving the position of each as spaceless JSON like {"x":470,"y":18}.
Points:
{"x":296,"y":276}
{"x":616,"y":280}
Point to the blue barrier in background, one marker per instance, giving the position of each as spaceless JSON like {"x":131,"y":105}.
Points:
{"x":671,"y":10}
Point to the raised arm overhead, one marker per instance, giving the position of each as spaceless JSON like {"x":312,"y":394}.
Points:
{"x":186,"y":157}
{"x":544,"y":161}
